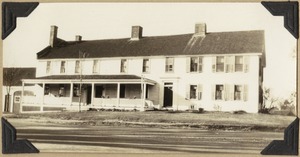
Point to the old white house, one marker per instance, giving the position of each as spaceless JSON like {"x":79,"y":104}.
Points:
{"x":210,"y":70}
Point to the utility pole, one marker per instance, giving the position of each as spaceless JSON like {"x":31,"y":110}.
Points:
{"x":82,"y":55}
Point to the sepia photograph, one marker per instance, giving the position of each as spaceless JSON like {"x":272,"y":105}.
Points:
{"x":149,"y":78}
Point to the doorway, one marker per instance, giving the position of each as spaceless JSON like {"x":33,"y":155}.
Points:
{"x":89,"y":95}
{"x":168,"y":95}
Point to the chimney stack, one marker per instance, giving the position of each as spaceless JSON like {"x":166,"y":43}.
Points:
{"x":53,"y":35}
{"x":78,"y":38}
{"x":136,"y":32}
{"x":200,"y":29}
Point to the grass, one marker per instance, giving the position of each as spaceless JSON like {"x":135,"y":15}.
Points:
{"x":208,"y":119}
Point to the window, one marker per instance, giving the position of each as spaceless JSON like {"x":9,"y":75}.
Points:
{"x":193,"y":92}
{"x":146,"y":65}
{"x":61,"y":91}
{"x":220,"y":64}
{"x":76,"y":90}
{"x":63,"y":67}
{"x":123,"y":65}
{"x":99,"y":91}
{"x":169,"y":64}
{"x":95,"y":66}
{"x":196,"y":64}
{"x":237,"y":92}
{"x":77,"y":66}
{"x":47,"y":89}
{"x":48,"y":68}
{"x":238,"y":63}
{"x":219,"y":92}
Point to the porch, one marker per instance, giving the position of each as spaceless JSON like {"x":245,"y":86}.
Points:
{"x":96,"y":93}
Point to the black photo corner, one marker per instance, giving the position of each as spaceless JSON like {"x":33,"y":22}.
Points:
{"x":288,"y":146}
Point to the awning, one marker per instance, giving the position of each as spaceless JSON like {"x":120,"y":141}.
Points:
{"x":130,"y":79}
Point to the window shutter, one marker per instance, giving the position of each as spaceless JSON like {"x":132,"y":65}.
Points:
{"x":231,"y":92}
{"x":213,"y":92}
{"x":226,"y":92}
{"x":187,"y":92}
{"x":246,"y":64}
{"x":245,"y":90}
{"x":188,"y":64}
{"x":200,"y":65}
{"x":227,"y":63}
{"x":199,"y":90}
{"x":214,"y":64}
{"x":232,"y":62}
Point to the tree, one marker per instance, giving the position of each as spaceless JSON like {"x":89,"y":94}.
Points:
{"x":9,"y":79}
{"x":268,"y":100}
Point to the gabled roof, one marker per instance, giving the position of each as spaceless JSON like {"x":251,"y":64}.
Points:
{"x":239,"y":42}
{"x":14,"y":76}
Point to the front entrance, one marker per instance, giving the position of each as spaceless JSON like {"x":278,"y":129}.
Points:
{"x":89,"y":94}
{"x":168,"y":95}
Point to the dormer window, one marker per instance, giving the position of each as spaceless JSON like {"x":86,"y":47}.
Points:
{"x":63,"y":67}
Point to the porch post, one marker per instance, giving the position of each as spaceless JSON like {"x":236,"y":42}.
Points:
{"x":93,"y":94}
{"x":22,"y":97}
{"x":144,"y":96}
{"x":71,"y":93}
{"x":118,"y":95}
{"x":43,"y":95}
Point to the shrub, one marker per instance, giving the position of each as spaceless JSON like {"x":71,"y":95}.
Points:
{"x":239,"y":112}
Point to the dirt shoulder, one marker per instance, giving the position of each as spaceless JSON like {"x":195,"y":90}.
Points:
{"x":164,"y":119}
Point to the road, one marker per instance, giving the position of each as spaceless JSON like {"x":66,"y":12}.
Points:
{"x":55,"y":137}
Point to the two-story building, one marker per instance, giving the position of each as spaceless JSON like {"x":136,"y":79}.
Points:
{"x":220,"y":71}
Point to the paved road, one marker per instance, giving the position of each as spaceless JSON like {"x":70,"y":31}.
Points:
{"x":118,"y":139}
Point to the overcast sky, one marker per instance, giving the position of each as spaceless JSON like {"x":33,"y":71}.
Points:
{"x":114,"y":20}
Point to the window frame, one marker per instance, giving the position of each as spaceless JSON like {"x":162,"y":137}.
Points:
{"x":220,"y":64}
{"x":169,"y":69}
{"x":197,"y":64}
{"x":77,"y":67}
{"x":123,"y":66}
{"x":145,"y":67}
{"x":240,"y":64}
{"x":63,"y":67}
{"x":48,"y":67}
{"x":95,"y":66}
{"x":240,"y":93}
{"x":222,"y":92}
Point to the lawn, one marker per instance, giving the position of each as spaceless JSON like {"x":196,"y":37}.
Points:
{"x":206,"y":120}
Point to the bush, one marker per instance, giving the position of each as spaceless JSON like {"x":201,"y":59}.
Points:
{"x":239,"y":112}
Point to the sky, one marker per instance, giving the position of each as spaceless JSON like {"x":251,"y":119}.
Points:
{"x":114,"y":20}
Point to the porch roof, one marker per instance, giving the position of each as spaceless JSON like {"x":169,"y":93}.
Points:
{"x":90,"y":79}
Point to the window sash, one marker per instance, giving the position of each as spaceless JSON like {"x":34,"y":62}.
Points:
{"x":77,"y":66}
{"x":219,"y":93}
{"x":146,"y":65}
{"x":123,"y":65}
{"x":169,"y":64}
{"x":63,"y":67}
{"x":48,"y":67}
{"x":95,"y":66}
{"x":193,"y":92}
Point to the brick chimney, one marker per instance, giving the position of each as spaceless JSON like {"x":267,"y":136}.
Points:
{"x":136,"y":32}
{"x":53,"y":35}
{"x":78,"y":38}
{"x":200,"y":29}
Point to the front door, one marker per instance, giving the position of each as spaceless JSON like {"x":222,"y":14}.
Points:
{"x":89,"y":95}
{"x":168,"y":95}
